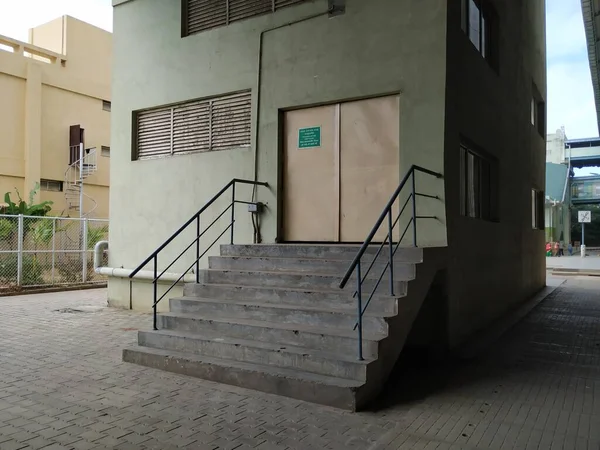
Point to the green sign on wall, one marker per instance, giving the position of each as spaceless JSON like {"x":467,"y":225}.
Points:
{"x":309,"y":137}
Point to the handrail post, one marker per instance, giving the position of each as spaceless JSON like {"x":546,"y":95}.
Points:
{"x":232,"y":210}
{"x":414,"y":208}
{"x":155,"y":282}
{"x":197,"y":250}
{"x":360,"y":312}
{"x":391,"y":248}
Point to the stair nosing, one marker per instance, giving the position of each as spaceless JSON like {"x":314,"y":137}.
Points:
{"x":330,"y":331}
{"x":295,"y":289}
{"x":262,"y":368}
{"x":285,"y":306}
{"x":286,"y":272}
{"x":262,"y":345}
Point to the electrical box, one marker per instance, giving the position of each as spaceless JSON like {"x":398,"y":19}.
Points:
{"x":256,"y":208}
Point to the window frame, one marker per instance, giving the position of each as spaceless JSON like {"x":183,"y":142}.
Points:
{"x":105,"y":151}
{"x":46,"y":183}
{"x":538,"y":111}
{"x":479,"y":201}
{"x":106,"y":105}
{"x":538,"y":213}
{"x":487,"y":29}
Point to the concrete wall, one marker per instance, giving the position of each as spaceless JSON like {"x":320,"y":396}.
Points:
{"x":495,"y":266}
{"x":377,"y":47}
{"x":555,"y":147}
{"x":41,"y":100}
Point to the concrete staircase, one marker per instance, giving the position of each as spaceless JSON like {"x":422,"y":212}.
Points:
{"x":272,"y":318}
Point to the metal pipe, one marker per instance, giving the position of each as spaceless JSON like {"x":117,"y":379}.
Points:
{"x":232,"y":212}
{"x":155,"y":290}
{"x":381,"y":218}
{"x":54,"y":247}
{"x":198,"y":250}
{"x":391,"y":263}
{"x":414,"y":210}
{"x":186,"y":224}
{"x":259,"y":83}
{"x":99,"y":250}
{"x":360,"y":311}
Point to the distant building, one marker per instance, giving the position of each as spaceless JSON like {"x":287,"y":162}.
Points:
{"x":55,"y":92}
{"x":555,"y":147}
{"x":558,"y":203}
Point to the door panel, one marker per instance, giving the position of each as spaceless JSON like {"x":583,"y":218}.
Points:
{"x":311,"y":178}
{"x":369,"y":164}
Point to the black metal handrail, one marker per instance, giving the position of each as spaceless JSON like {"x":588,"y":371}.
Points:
{"x":196,"y":217}
{"x":355,"y":265}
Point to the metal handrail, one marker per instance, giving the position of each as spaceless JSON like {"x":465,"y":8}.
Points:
{"x":196,"y":217}
{"x":355,"y":265}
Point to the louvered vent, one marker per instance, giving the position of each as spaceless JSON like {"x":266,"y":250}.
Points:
{"x":201,"y":15}
{"x":154,"y":133}
{"x":218,"y":123}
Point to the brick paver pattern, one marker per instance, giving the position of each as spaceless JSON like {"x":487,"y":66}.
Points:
{"x":63,"y":386}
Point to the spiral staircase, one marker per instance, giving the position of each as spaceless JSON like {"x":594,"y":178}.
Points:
{"x":83,"y":164}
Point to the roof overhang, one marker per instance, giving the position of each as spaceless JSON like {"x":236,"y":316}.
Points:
{"x":591,"y":21}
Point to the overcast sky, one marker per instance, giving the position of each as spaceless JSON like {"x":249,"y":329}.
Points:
{"x":570,"y":96}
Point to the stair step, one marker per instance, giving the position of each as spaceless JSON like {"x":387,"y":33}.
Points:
{"x":257,"y":352}
{"x":332,"y":298}
{"x":327,"y":251}
{"x":321,"y":389}
{"x":402,"y":271}
{"x":289,"y":279}
{"x":328,"y":339}
{"x":270,"y":312}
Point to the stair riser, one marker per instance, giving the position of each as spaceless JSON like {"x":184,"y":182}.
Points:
{"x":402,"y":271}
{"x":303,"y":362}
{"x":380,"y":304}
{"x":346,"y":252}
{"x":337,"y":397}
{"x":296,"y":281}
{"x":310,"y":318}
{"x":334,"y":344}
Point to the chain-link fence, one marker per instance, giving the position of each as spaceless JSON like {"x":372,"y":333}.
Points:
{"x":48,"y":251}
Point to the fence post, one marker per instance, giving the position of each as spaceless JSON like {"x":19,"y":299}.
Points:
{"x":53,"y":247}
{"x":20,"y":236}
{"x":84,"y":242}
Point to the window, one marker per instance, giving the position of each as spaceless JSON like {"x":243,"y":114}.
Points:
{"x":202,"y":15}
{"x":106,"y":105}
{"x":51,"y":185}
{"x":105,"y":151}
{"x":479,"y":22}
{"x":479,"y":184}
{"x":538,"y":111}
{"x":219,"y":123}
{"x":537,"y":209}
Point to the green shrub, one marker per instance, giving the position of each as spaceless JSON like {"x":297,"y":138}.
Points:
{"x":32,"y":271}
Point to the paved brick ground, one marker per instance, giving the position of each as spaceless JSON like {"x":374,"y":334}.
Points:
{"x":63,"y":386}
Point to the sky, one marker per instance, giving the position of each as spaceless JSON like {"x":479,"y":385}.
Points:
{"x":570,"y":98}
{"x":19,"y":15}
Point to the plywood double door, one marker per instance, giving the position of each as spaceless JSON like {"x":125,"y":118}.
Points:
{"x":341,"y":166}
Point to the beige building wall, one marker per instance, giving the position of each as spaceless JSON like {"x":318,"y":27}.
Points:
{"x":60,"y":78}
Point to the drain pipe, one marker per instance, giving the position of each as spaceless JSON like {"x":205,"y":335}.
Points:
{"x":330,"y":10}
{"x":124,"y":273}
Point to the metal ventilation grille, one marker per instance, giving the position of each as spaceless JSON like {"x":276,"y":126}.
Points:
{"x":218,"y":123}
{"x":201,"y":15}
{"x":231,"y":121}
{"x":191,"y":125}
{"x":244,"y":9}
{"x":154,"y":133}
